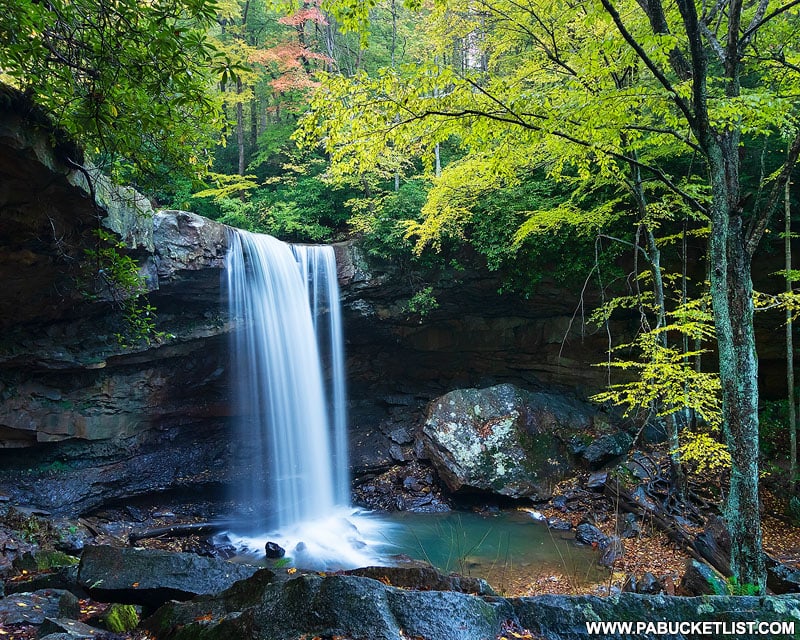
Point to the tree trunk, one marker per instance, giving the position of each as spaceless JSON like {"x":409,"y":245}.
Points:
{"x":732,"y":297}
{"x":255,"y":105}
{"x":240,"y":127}
{"x":787,"y":244}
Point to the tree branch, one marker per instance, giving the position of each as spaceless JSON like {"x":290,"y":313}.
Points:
{"x":759,"y":224}
{"x":517,"y":120}
{"x":752,"y":28}
{"x":659,"y":75}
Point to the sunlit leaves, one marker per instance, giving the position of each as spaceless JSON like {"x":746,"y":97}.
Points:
{"x":665,"y":382}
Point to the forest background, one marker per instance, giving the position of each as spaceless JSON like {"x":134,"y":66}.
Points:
{"x":640,"y":149}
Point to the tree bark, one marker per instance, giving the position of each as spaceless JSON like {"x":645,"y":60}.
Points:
{"x":787,"y":244}
{"x":240,"y":128}
{"x":732,"y":299}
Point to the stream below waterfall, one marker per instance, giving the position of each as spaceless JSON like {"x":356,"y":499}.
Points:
{"x":507,"y":548}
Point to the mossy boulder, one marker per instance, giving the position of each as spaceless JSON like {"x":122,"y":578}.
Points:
{"x":331,"y":606}
{"x":504,"y":439}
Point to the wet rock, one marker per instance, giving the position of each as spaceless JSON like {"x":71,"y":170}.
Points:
{"x":559,"y":524}
{"x":401,"y":435}
{"x":72,"y":629}
{"x":341,"y":605}
{"x":700,"y":579}
{"x":564,"y":617}
{"x":151,"y":577}
{"x":606,"y":449}
{"x":649,"y":584}
{"x":397,"y":453}
{"x":612,"y":551}
{"x":630,"y":526}
{"x":274,"y":550}
{"x":33,"y":608}
{"x":597,"y":481}
{"x":640,"y":466}
{"x":410,"y":487}
{"x":642,"y":499}
{"x":64,"y":578}
{"x":424,"y":578}
{"x":782,"y":578}
{"x":351,"y":606}
{"x":587,"y":533}
{"x":503,"y":439}
{"x":72,"y":537}
{"x":559,"y":502}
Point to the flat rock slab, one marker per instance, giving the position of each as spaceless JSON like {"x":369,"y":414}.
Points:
{"x":64,"y":628}
{"x":33,"y":608}
{"x":151,"y":577}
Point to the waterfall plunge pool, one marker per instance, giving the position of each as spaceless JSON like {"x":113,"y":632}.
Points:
{"x":507,"y":549}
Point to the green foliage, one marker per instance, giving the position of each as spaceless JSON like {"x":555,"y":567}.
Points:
{"x":379,"y":221}
{"x":115,"y":276}
{"x":297,"y":208}
{"x":735,"y":588}
{"x":705,"y":451}
{"x":665,"y":381}
{"x":422,"y":302}
{"x":773,"y":418}
{"x":128,"y":80}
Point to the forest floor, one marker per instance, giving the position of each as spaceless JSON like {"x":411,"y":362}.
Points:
{"x":652,"y":551}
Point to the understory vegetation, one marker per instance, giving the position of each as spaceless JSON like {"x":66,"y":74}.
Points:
{"x":640,"y":155}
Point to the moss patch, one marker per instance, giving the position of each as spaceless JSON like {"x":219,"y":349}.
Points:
{"x":120,"y":618}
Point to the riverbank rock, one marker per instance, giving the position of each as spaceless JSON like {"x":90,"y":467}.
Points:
{"x":32,"y":608}
{"x":504,"y":439}
{"x":424,"y":579}
{"x":348,"y":606}
{"x":700,"y":579}
{"x":151,"y":577}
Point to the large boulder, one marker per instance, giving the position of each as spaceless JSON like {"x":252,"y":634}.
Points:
{"x":504,"y":439}
{"x":651,"y":617}
{"x":263,"y":608}
{"x":151,"y":576}
{"x":32,"y":608}
{"x":331,"y":606}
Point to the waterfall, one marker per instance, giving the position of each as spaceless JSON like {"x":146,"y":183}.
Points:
{"x":285,"y":301}
{"x":318,"y":269}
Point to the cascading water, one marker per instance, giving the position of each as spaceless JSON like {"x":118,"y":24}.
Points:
{"x":318,"y":269}
{"x":298,"y":491}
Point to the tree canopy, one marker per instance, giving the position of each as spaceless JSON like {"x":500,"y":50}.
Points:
{"x":128,"y":80}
